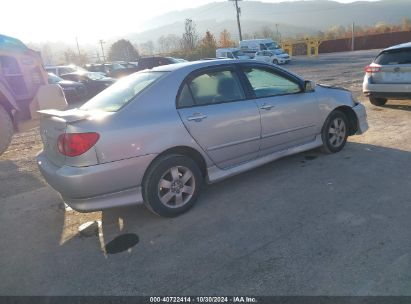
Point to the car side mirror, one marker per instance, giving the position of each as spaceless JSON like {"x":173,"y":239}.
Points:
{"x":309,"y":86}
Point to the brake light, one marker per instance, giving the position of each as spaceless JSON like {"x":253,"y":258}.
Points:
{"x":372,"y":68}
{"x":75,"y":144}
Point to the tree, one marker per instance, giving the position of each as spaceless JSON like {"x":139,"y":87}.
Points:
{"x":208,"y":45}
{"x":190,"y":37}
{"x":405,"y":24}
{"x":382,"y":27}
{"x":123,"y":50}
{"x":225,"y":40}
{"x":72,"y":57}
{"x":47,"y":54}
{"x":168,"y":44}
{"x":147,"y":48}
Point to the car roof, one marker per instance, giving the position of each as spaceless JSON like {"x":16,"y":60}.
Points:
{"x":58,"y":66}
{"x":398,"y":46}
{"x":191,"y":66}
{"x":194,"y":65}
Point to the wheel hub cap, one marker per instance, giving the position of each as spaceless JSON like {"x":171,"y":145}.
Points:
{"x":176,"y":187}
{"x":337,"y":132}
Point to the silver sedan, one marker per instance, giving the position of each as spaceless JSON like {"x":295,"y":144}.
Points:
{"x":156,"y":135}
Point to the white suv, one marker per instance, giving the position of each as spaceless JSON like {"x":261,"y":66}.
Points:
{"x":389,"y":75}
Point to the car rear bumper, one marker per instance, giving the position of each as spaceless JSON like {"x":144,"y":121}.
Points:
{"x":359,"y":110}
{"x":97,"y":187}
{"x":387,"y":90}
{"x":117,"y":199}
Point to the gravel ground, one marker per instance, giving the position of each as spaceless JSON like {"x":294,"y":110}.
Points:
{"x":309,"y":224}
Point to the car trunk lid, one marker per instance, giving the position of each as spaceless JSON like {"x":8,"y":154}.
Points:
{"x":398,"y":73}
{"x":53,"y":124}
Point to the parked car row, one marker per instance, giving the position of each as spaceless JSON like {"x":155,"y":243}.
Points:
{"x":275,"y":56}
{"x":80,"y":84}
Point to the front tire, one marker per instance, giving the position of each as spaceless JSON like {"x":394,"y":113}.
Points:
{"x":335,"y":132}
{"x":275,"y":61}
{"x":171,"y":185}
{"x":378,"y":101}
{"x":6,"y":129}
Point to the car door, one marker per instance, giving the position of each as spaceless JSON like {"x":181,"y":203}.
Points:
{"x":289,"y":116}
{"x":214,"y":109}
{"x":267,"y":57}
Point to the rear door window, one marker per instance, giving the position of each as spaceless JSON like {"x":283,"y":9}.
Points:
{"x":394,"y":57}
{"x":212,"y":87}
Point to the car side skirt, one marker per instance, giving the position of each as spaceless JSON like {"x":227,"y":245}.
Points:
{"x":216,"y":174}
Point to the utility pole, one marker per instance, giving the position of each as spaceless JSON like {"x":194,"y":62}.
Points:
{"x":278,"y":33}
{"x":352,"y":37}
{"x":78,"y":48}
{"x":102,"y":49}
{"x":238,"y":17}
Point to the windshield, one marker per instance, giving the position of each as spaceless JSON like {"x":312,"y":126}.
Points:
{"x":400,"y":56}
{"x":119,"y":94}
{"x":278,"y":51}
{"x":54,"y":78}
{"x":238,"y":53}
{"x":272,"y":46}
{"x":115,"y":66}
{"x":10,"y":42}
{"x":95,"y":76}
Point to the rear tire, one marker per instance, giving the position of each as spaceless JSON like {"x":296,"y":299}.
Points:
{"x":378,"y":101}
{"x":171,"y":185}
{"x":335,"y":132}
{"x":6,"y":129}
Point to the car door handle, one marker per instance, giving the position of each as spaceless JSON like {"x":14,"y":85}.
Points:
{"x":197,"y":117}
{"x":266,"y":107}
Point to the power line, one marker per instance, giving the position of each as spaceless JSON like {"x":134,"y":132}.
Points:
{"x":238,"y":18}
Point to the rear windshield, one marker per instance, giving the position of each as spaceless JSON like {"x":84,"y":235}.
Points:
{"x":123,"y":91}
{"x":402,"y":56}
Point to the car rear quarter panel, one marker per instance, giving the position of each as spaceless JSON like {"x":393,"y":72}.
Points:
{"x":150,"y":124}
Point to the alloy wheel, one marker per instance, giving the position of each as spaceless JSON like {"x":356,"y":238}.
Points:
{"x":176,"y":187}
{"x":337,"y":132}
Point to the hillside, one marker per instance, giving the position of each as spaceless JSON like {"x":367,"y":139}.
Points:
{"x":293,"y":17}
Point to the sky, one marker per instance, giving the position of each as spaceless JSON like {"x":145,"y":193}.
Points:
{"x":88,"y":20}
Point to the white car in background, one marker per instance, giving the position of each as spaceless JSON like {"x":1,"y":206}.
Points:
{"x":277,"y":56}
{"x":232,"y":53}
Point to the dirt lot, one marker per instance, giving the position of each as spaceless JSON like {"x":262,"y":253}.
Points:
{"x":310,"y":224}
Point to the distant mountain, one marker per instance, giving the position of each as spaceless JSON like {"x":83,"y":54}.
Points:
{"x":294,"y":18}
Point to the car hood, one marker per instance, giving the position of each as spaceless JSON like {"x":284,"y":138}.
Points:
{"x":107,"y":80}
{"x":69,"y":83}
{"x":328,"y":86}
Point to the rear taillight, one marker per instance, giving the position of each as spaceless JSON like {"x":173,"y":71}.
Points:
{"x":75,"y":144}
{"x":372,"y":68}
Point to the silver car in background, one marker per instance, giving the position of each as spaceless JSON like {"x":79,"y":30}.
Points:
{"x":155,"y":135}
{"x":389,"y":75}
